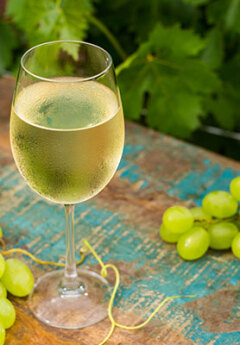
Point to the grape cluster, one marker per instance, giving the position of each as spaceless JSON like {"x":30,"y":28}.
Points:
{"x":216,"y":224}
{"x":16,"y":278}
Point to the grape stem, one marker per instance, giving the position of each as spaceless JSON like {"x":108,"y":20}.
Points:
{"x":208,"y":222}
{"x":2,"y":243}
{"x":104,"y":273}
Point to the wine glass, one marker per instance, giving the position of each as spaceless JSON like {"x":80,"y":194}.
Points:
{"x":67,"y":137}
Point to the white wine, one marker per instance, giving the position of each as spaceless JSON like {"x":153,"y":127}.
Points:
{"x":67,"y":138}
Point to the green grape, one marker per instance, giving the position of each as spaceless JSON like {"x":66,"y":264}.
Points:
{"x":3,"y":291}
{"x":7,"y":313}
{"x":17,"y":278}
{"x":2,"y":334}
{"x":199,"y":214}
{"x":220,"y":204}
{"x":167,"y":235}
{"x":235,"y":188}
{"x":2,"y":265}
{"x":177,"y":219}
{"x":1,"y":233}
{"x":236,"y":245}
{"x":193,"y":244}
{"x":221,"y":235}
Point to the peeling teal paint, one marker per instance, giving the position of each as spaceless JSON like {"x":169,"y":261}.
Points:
{"x":195,"y":185}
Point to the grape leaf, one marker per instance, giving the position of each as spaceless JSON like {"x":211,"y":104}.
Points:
{"x":230,"y":72}
{"x":17,"y":9}
{"x":213,"y":53}
{"x":196,"y":2}
{"x":175,"y":41}
{"x":166,"y":70}
{"x":167,"y":12}
{"x":130,"y":28}
{"x":49,"y":20}
{"x":7,"y":42}
{"x":226,"y":13}
{"x":216,"y":11}
{"x":232,"y":20}
{"x":224,"y":107}
{"x":225,"y":104}
{"x":28,"y":23}
{"x":75,"y":19}
{"x":134,"y":82}
{"x":174,"y":109}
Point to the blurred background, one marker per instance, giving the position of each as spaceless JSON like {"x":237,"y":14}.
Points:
{"x":178,"y":61}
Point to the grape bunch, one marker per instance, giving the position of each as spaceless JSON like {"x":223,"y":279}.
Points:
{"x":216,"y":224}
{"x":17,"y":279}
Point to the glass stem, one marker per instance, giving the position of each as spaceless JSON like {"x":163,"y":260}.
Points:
{"x":70,"y":268}
{"x":70,"y":284}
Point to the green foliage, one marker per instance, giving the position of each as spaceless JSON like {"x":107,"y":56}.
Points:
{"x":213,"y":53}
{"x":225,"y":108}
{"x":225,"y":104}
{"x":226,"y":12}
{"x":195,"y":2}
{"x":181,"y":63}
{"x":165,"y":69}
{"x":48,"y":20}
{"x":8,"y":41}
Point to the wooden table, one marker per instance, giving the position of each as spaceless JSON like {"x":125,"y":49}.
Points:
{"x":122,"y":223}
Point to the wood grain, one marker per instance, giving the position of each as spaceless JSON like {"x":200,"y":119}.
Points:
{"x":122,"y":223}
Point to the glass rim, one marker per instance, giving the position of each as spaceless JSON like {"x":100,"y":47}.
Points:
{"x":75,"y":79}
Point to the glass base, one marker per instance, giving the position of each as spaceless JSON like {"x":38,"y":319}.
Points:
{"x":71,"y":311}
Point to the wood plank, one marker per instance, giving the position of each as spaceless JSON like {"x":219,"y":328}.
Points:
{"x":122,"y":223}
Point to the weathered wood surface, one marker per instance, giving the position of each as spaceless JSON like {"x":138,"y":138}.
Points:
{"x":122,"y":223}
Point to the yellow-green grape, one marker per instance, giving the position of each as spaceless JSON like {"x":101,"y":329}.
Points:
{"x":17,"y":278}
{"x":199,"y":214}
{"x":2,"y":334}
{"x":193,"y":244}
{"x":2,"y":265}
{"x":236,"y":245}
{"x":7,"y":313}
{"x":235,"y":188}
{"x":220,"y":204}
{"x":3,"y":291}
{"x":178,"y":219}
{"x":221,"y":235}
{"x":1,"y":233}
{"x":167,"y":235}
